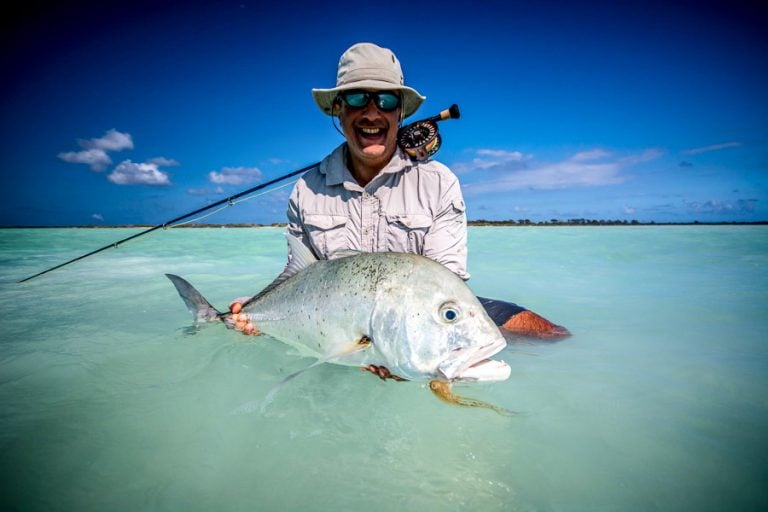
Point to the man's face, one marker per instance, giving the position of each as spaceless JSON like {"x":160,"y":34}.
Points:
{"x":371,"y":133}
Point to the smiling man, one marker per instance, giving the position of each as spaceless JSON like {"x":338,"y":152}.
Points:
{"x":369,"y":195}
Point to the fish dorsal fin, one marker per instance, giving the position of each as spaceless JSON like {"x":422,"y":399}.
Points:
{"x":300,"y":258}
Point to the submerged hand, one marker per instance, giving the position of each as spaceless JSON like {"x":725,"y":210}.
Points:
{"x":240,"y":321}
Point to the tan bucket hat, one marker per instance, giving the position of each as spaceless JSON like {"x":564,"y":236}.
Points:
{"x":368,"y":66}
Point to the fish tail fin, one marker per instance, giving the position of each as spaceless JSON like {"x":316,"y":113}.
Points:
{"x":201,"y":309}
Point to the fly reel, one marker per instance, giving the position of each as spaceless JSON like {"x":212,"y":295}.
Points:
{"x":422,"y":139}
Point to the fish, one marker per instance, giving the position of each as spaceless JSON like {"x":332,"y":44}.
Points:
{"x":401,"y":311}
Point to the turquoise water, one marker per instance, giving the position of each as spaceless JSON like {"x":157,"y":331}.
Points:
{"x":659,"y":401}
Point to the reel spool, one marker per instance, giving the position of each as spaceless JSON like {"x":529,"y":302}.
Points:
{"x":422,"y":139}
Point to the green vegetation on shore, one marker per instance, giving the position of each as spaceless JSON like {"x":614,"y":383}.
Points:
{"x":594,"y":222}
{"x":481,"y":222}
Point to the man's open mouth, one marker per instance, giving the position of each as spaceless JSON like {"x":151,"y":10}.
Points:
{"x":372,"y":133}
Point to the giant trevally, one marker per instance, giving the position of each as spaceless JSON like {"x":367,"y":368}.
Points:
{"x":400,"y":311}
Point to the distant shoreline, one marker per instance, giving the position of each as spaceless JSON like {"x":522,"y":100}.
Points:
{"x":519,"y":223}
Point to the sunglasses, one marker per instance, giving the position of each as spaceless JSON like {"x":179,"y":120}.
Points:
{"x":384,"y":101}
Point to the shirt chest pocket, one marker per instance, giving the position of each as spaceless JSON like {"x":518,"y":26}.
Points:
{"x":406,"y":232}
{"x":327,"y":233}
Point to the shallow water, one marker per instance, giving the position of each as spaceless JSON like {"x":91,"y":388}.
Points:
{"x":659,"y":401}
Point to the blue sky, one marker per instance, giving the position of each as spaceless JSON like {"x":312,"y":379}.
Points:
{"x":137,"y":112}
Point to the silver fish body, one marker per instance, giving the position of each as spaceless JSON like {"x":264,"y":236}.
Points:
{"x":402,"y":311}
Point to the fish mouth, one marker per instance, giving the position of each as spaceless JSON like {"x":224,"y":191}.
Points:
{"x":474,"y":364}
{"x":487,"y":370}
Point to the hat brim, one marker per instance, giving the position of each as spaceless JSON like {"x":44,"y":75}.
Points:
{"x":411,"y":98}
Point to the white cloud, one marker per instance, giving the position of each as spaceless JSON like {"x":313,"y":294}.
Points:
{"x":112,"y":140}
{"x":592,"y":154}
{"x":130,"y":173}
{"x":97,"y":216}
{"x":491,"y":158}
{"x":591,"y":168}
{"x":97,"y":159}
{"x":163,"y":162}
{"x":235,"y":176}
{"x":645,"y":156}
{"x":94,"y":152}
{"x":205,"y":191}
{"x":501,"y":154}
{"x":712,"y":147}
{"x":719,"y":207}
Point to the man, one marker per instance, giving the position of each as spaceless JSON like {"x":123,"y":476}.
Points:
{"x":368,"y":194}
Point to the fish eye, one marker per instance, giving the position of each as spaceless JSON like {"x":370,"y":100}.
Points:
{"x":449,"y":312}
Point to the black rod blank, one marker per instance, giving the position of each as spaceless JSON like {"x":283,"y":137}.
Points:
{"x":173,"y":221}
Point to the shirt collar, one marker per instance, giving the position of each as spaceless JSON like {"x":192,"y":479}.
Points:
{"x":336,"y":173}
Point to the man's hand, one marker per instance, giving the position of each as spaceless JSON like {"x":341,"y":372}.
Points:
{"x":239,"y":321}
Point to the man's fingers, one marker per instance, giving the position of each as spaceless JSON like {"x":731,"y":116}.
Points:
{"x":236,"y":305}
{"x":381,"y":372}
{"x":250,"y":328}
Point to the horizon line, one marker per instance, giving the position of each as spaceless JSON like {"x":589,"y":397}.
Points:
{"x":479,"y":222}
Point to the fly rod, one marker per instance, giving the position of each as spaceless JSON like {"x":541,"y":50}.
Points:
{"x":420,"y":140}
{"x":177,"y":219}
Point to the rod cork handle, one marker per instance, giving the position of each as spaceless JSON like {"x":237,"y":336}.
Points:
{"x":450,"y":113}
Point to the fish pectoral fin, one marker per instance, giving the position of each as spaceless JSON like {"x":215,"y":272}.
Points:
{"x":443,"y":390}
{"x":271,"y":395}
{"x":360,"y":344}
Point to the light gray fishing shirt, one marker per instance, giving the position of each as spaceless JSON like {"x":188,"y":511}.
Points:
{"x":414,"y":207}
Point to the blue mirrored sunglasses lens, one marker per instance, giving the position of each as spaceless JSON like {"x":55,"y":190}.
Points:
{"x":356,"y":99}
{"x":387,"y":101}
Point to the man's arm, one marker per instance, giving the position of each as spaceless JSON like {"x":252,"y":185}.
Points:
{"x":446,"y":241}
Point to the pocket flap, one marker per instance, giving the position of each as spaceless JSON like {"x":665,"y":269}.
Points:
{"x":324,"y":222}
{"x":412,"y":220}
